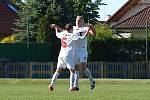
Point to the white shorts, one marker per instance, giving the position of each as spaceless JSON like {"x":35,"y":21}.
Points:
{"x":80,"y":56}
{"x":65,"y":63}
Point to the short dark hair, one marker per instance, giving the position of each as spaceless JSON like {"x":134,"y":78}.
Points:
{"x":68,"y":26}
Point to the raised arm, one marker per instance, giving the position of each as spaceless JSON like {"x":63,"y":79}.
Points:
{"x":92,"y":30}
{"x":58,"y":30}
{"x":56,"y":27}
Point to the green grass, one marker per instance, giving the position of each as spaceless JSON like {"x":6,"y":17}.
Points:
{"x":106,"y":89}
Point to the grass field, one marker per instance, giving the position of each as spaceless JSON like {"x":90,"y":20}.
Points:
{"x":106,"y":89}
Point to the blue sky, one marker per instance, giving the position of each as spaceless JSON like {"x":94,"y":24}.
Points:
{"x":111,"y":7}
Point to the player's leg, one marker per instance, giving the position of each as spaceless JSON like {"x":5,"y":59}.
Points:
{"x":55,"y":75}
{"x":72,"y":74}
{"x":88,"y":74}
{"x":60,"y":65}
{"x":71,"y":66}
{"x":77,"y":68}
{"x":76,"y":84}
{"x":83,"y":64}
{"x":86,"y":71}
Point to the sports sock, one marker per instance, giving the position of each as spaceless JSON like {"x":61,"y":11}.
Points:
{"x":71,"y":79}
{"x":54,"y":78}
{"x":76,"y":79}
{"x":88,"y":74}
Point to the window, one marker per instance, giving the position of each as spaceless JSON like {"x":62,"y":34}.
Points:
{"x":12,"y":8}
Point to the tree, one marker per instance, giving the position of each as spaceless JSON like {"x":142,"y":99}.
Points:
{"x":103,"y":32}
{"x":31,"y":17}
{"x":35,"y":16}
{"x":49,"y":12}
{"x":27,"y":23}
{"x":16,"y":1}
{"x":88,"y":9}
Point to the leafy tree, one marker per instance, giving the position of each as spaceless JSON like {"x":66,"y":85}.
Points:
{"x":103,"y":32}
{"x":88,"y":9}
{"x":26,"y":25}
{"x":49,"y":12}
{"x":35,"y":16}
{"x":31,"y":18}
{"x":16,"y":1}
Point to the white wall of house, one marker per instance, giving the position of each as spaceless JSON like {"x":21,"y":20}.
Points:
{"x":136,"y":33}
{"x":140,"y":33}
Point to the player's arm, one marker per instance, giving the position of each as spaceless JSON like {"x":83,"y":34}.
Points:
{"x":92,"y":30}
{"x":56,"y":27}
{"x":57,"y":30}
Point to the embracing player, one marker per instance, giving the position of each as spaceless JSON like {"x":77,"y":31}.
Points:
{"x":82,"y":52}
{"x":66,"y":55}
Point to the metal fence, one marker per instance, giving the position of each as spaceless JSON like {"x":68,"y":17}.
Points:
{"x":131,"y":70}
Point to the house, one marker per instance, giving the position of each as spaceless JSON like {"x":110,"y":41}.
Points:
{"x":8,"y":14}
{"x":133,"y":17}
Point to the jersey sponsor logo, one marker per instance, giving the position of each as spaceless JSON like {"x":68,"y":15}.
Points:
{"x":80,"y":33}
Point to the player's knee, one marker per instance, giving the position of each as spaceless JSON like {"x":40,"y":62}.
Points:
{"x":77,"y":67}
{"x":59,"y":70}
{"x":84,"y":68}
{"x":83,"y":65}
{"x":72,"y":70}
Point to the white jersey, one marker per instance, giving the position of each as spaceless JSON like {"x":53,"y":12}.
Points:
{"x":67,"y":43}
{"x":80,"y":49}
{"x":81,"y":43}
{"x":66,"y":54}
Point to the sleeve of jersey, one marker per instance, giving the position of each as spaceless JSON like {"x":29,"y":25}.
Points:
{"x":59,"y":34}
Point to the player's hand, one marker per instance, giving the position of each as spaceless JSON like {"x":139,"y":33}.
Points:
{"x":52,"y":25}
{"x":90,"y":25}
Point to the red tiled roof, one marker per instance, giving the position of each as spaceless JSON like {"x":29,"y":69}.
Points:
{"x":123,"y":10}
{"x":136,"y":21}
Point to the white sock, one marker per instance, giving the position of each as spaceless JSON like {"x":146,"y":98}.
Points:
{"x":76,"y":79}
{"x":88,"y":74}
{"x":71,"y":80}
{"x":54,"y":78}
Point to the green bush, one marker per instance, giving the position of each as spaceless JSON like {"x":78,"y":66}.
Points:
{"x":9,"y":39}
{"x":118,"y":50}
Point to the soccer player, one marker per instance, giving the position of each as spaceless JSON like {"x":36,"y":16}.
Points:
{"x":81,"y":51}
{"x":66,"y":57}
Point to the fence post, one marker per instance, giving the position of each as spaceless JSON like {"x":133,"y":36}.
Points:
{"x":5,"y":69}
{"x":104,"y":69}
{"x":52,"y":69}
{"x":30,"y":69}
{"x":101,"y":69}
{"x":130,"y":70}
{"x":148,"y":69}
